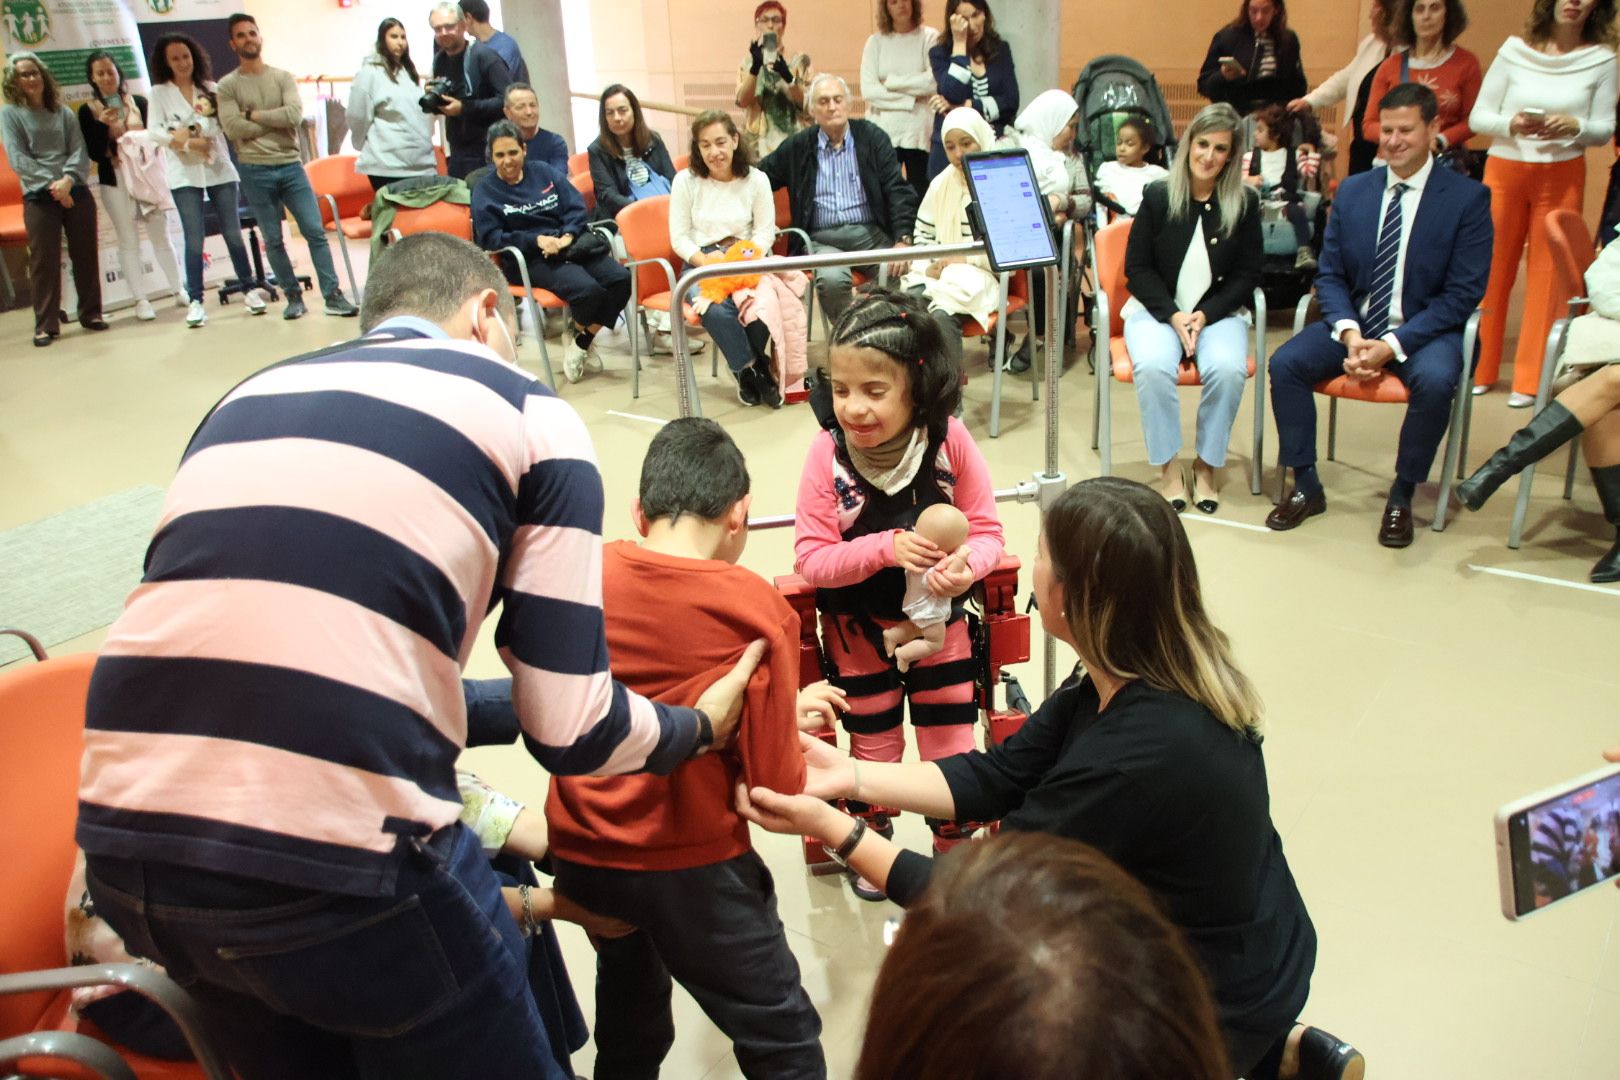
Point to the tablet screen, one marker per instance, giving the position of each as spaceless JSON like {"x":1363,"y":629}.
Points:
{"x":1011,"y":210}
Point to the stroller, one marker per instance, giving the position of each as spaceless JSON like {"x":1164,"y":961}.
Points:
{"x":1115,"y":88}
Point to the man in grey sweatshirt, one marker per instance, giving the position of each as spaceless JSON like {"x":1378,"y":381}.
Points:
{"x":260,"y":110}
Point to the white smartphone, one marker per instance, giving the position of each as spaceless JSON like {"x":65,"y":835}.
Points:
{"x":1228,"y":61}
{"x":1558,"y":842}
{"x":1539,"y":114}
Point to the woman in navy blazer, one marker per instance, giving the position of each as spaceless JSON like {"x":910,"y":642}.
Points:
{"x":973,"y":68}
{"x":1444,"y":261}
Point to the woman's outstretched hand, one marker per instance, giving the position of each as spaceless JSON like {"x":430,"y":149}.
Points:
{"x":792,"y":815}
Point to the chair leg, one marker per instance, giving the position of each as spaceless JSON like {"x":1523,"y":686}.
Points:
{"x":1460,"y":409}
{"x":637,"y":321}
{"x":997,"y":355}
{"x":5,"y":279}
{"x":1096,"y":415}
{"x":1105,"y":418}
{"x":1569,"y":472}
{"x":1333,"y":429}
{"x":1521,"y":506}
{"x":537,"y":316}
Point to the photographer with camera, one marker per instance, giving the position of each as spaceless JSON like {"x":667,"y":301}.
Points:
{"x":466,"y":89}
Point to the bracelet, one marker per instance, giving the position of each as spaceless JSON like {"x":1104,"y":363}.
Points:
{"x":528,"y":926}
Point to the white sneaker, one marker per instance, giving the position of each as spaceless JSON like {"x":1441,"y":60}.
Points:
{"x":255,"y":302}
{"x":663,"y":344}
{"x":573,"y":359}
{"x":196,"y":314}
{"x":143,"y":310}
{"x":593,"y":355}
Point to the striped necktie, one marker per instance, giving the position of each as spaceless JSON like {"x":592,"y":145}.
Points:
{"x":1376,"y":324}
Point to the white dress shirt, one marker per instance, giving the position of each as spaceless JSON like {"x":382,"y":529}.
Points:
{"x":1409,"y":207}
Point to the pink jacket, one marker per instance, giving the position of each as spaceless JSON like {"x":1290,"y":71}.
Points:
{"x":778,"y":301}
{"x":830,"y":500}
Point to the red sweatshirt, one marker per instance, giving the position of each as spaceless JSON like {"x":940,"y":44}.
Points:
{"x":674,"y":625}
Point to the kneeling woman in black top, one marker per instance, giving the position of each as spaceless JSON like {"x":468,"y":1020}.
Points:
{"x":1153,"y":757}
{"x":532,"y":207}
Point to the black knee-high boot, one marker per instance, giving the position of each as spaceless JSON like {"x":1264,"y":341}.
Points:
{"x":1552,"y":427}
{"x":1607,"y":482}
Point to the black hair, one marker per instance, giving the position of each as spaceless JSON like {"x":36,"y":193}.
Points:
{"x":239,"y":17}
{"x":391,"y":65}
{"x":692,"y":467}
{"x":201,"y":70}
{"x":429,"y":275}
{"x":502,"y":129}
{"x":900,"y":325}
{"x":1144,"y":131}
{"x":103,"y":54}
{"x":476,"y":10}
{"x":1405,"y":95}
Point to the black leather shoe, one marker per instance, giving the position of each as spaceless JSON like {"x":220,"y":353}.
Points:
{"x":1327,"y":1057}
{"x":1395,"y":530}
{"x":1292,"y":511}
{"x":97,"y":323}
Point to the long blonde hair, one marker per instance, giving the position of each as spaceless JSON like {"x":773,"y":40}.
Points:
{"x":1132,"y":600}
{"x":1229,"y":187}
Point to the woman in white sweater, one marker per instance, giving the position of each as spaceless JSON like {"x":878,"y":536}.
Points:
{"x":183,"y":112}
{"x":1350,"y":85}
{"x":1546,"y":98}
{"x":718,"y":200}
{"x":897,"y":80}
{"x":390,"y":130}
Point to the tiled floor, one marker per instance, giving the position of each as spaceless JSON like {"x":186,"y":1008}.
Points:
{"x":1409,"y":693}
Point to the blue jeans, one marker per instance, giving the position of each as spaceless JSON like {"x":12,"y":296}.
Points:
{"x":272,"y":189}
{"x":739,"y":344}
{"x":428,"y":982}
{"x":1222,"y":357}
{"x":189,"y":201}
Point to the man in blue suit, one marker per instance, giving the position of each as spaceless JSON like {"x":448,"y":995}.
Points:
{"x":1405,"y":261}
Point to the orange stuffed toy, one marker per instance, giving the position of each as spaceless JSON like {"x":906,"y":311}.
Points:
{"x":717,"y":290}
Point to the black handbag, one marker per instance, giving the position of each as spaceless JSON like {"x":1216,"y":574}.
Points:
{"x":587,"y":246}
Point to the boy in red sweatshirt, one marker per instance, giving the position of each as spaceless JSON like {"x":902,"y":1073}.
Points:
{"x":669,"y":854}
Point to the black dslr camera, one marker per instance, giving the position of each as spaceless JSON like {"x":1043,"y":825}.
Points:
{"x":435,"y":91}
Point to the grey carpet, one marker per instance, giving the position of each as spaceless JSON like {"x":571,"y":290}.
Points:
{"x":70,"y":573}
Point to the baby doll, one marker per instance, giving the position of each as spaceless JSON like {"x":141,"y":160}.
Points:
{"x":923,"y":633}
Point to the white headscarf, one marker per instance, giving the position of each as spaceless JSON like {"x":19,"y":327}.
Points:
{"x":1037,"y":126}
{"x":948,"y":194}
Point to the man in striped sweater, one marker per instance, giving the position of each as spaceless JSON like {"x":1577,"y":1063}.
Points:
{"x":268,"y":802}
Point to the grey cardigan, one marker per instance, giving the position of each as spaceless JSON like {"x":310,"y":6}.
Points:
{"x":44,"y":146}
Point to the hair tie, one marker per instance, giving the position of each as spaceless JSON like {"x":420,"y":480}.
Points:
{"x":921,"y":360}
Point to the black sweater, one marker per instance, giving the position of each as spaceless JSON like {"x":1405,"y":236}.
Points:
{"x":612,"y":179}
{"x":481,"y":91}
{"x":97,"y":143}
{"x":1250,"y":92}
{"x":1158,"y":246}
{"x":891,"y":199}
{"x":1179,"y":800}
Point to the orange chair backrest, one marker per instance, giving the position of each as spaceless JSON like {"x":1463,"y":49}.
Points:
{"x":1572,"y":252}
{"x":644,"y":228}
{"x":586,"y":187}
{"x":11,"y":192}
{"x":445,"y":217}
{"x":441,"y":164}
{"x":580,"y":162}
{"x":41,"y":744}
{"x":682,"y":162}
{"x":1111,"y":242}
{"x":336,"y":176}
{"x":784,"y":208}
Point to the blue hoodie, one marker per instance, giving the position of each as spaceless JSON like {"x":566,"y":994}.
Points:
{"x":542,"y":203}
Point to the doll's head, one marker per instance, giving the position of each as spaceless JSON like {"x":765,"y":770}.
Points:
{"x":944,"y":526}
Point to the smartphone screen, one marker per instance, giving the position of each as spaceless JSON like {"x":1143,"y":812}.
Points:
{"x":1565,"y":844}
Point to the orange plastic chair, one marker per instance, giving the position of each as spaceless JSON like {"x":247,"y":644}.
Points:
{"x":653,"y":266}
{"x":682,"y":162}
{"x":1386,"y":389}
{"x":41,"y":743}
{"x":12,"y":232}
{"x":441,"y":163}
{"x":341,"y":193}
{"x":1110,"y":244}
{"x":1573,"y":251}
{"x":586,"y":187}
{"x":578,"y":163}
{"x":1014,"y":298}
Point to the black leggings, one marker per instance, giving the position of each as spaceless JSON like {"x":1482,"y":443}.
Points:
{"x":915,"y":163}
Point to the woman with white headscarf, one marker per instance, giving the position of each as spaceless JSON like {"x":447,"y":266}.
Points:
{"x":957,"y":286}
{"x":1046,"y":128}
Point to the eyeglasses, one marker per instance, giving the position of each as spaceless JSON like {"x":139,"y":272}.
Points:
{"x":777,"y":19}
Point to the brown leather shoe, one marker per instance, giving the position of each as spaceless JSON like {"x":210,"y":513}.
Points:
{"x":1395,"y":531}
{"x":1292,"y":511}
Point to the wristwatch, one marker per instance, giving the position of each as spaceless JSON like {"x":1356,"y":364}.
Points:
{"x":842,"y":852}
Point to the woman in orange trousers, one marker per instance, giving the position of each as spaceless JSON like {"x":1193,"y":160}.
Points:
{"x":1547,"y":96}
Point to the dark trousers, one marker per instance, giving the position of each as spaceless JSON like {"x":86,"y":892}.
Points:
{"x":716,"y":931}
{"x":429,"y":982}
{"x":46,"y":220}
{"x":461,"y":162}
{"x":915,"y":164}
{"x":380,"y":182}
{"x":596,"y":290}
{"x":1430,"y":375}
